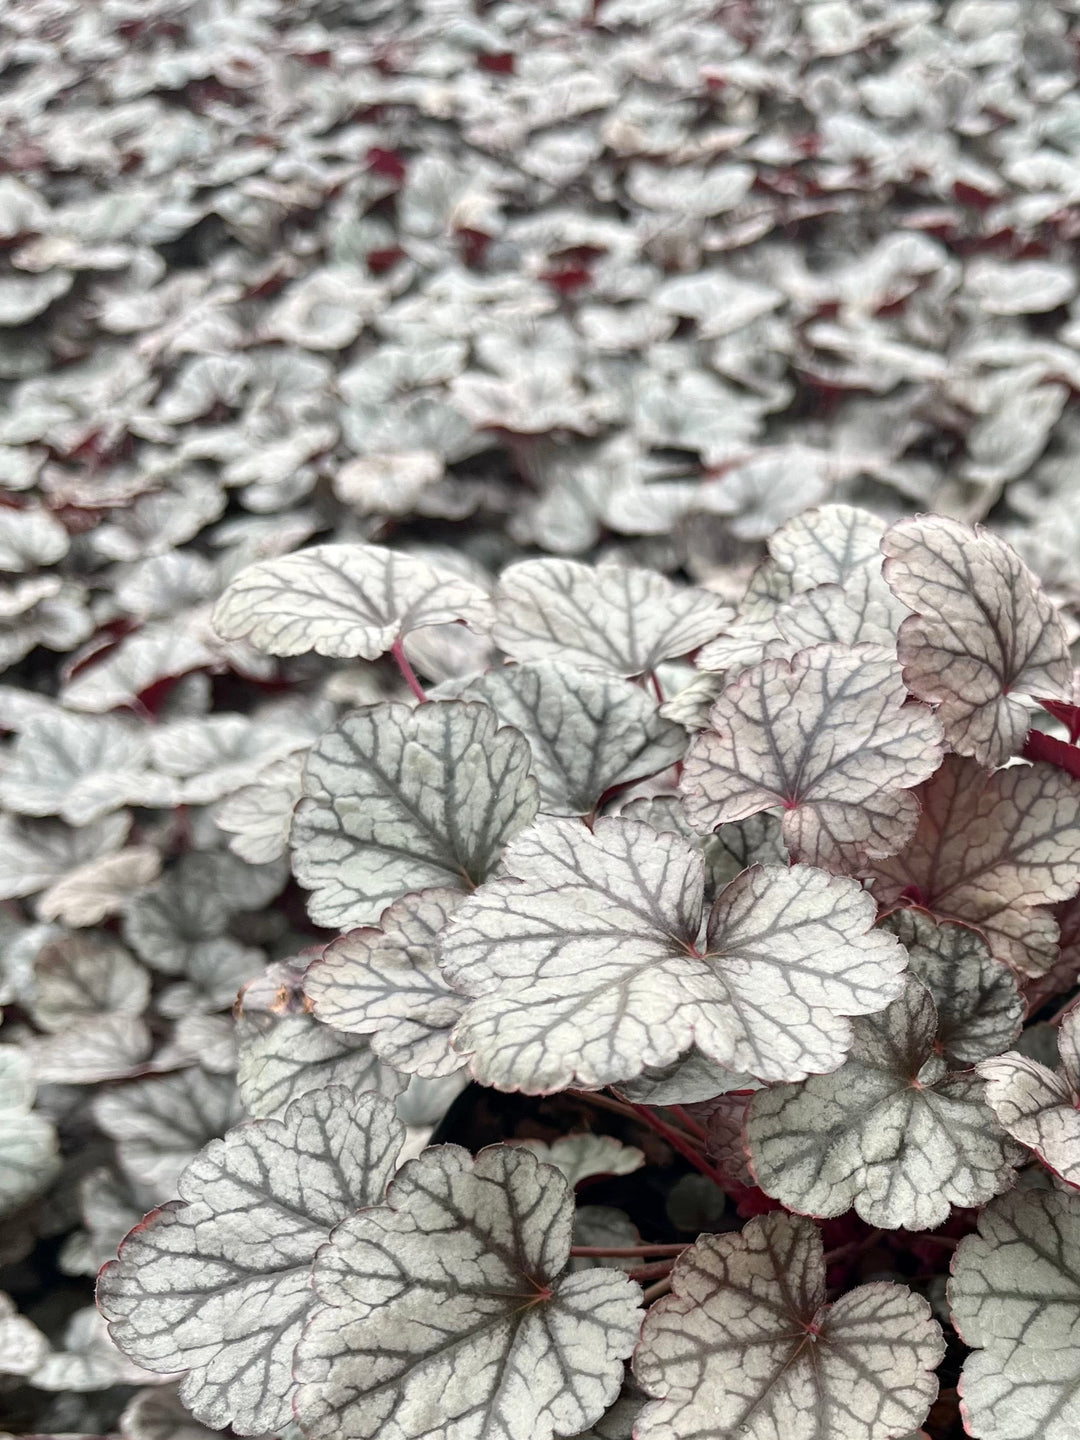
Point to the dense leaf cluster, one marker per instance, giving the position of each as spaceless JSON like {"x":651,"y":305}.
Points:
{"x":475,"y":673}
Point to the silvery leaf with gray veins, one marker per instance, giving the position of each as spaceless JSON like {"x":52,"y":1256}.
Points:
{"x":1015,"y":1299}
{"x":1038,"y":1106}
{"x":746,"y":1346}
{"x":983,"y":633}
{"x":892,"y":1132}
{"x":979,"y":1005}
{"x":399,"y":799}
{"x":344,"y":601}
{"x":612,"y":618}
{"x":383,"y":982}
{"x":592,"y":957}
{"x":218,"y":1282}
{"x":827,"y":737}
{"x":588,"y":731}
{"x":160,"y":1122}
{"x":449,"y":1309}
{"x":284,"y":1051}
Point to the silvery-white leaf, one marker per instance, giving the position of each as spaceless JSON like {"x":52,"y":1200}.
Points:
{"x":389,"y":484}
{"x":36,"y":853}
{"x":689,"y":189}
{"x":399,"y":799}
{"x":29,"y":538}
{"x":29,"y":1153}
{"x":1037,"y":1105}
{"x":156,"y":652}
{"x":601,"y":1225}
{"x":586,"y":962}
{"x":284,"y":1052}
{"x":214,"y":970}
{"x":164,"y":585}
{"x":610,"y":617}
{"x":22,"y":297}
{"x":216,"y":755}
{"x":422,"y":1326}
{"x":383,"y":982}
{"x":979,"y":1005}
{"x":254,"y":1208}
{"x":992,"y":851}
{"x":159,"y":1123}
{"x":983,"y":633}
{"x":202,"y":383}
{"x":87,"y":894}
{"x":257,"y":817}
{"x":326,"y":310}
{"x":580,"y":1156}
{"x":588,"y":732}
{"x":690,"y":1079}
{"x":88,"y":1360}
{"x":78,"y":976}
{"x":891,"y":1132}
{"x":22,"y":1345}
{"x":719,"y":302}
{"x":80,"y":768}
{"x":829,"y":738}
{"x":1019,"y":287}
{"x":746,"y":1347}
{"x":343,"y":601}
{"x":1015,"y":1298}
{"x":90,"y":1050}
{"x":208,"y":1040}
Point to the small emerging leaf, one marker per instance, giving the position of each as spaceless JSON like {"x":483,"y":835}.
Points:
{"x":1039,"y":1107}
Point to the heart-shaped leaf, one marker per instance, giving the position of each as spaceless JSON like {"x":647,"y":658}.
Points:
{"x":891,"y":1132}
{"x":828,"y":737}
{"x":1015,"y":1298}
{"x":588,"y":732}
{"x":991,"y":850}
{"x":746,"y":1347}
{"x":447,"y":1310}
{"x":399,"y":799}
{"x":611,"y":617}
{"x":983,"y":633}
{"x":383,"y":982}
{"x":587,"y":962}
{"x":344,"y":601}
{"x":79,"y":976}
{"x":1038,"y":1106}
{"x":218,"y":1283}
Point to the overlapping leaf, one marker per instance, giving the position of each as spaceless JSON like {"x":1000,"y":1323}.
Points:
{"x":1038,"y":1106}
{"x":1015,"y":1298}
{"x":217,"y":1283}
{"x":383,"y":982}
{"x":829,"y":738}
{"x":891,"y":1132}
{"x":344,"y":600}
{"x":283,"y":1051}
{"x":399,"y":799}
{"x":991,"y":851}
{"x":588,"y":732}
{"x":746,"y":1347}
{"x":448,"y":1309}
{"x":614,"y":618}
{"x":587,"y":962}
{"x":983,"y":633}
{"x":979,"y":1006}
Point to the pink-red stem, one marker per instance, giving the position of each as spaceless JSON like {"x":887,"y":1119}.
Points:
{"x":408,"y":674}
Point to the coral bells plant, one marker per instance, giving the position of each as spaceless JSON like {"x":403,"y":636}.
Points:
{"x":763,"y":906}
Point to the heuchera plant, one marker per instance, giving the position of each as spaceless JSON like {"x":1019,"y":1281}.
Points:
{"x":778,"y":933}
